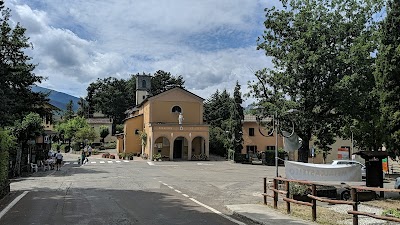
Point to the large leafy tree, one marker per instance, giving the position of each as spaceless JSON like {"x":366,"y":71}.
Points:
{"x":223,"y":113}
{"x":76,"y":129}
{"x":16,"y":73}
{"x":83,"y":109}
{"x":162,"y":81}
{"x":315,"y":45}
{"x":25,"y":130}
{"x":111,"y":96}
{"x":104,"y":131}
{"x":388,"y":75}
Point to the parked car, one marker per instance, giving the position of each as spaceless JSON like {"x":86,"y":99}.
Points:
{"x":98,"y":145}
{"x":397,"y":184}
{"x":351,"y":162}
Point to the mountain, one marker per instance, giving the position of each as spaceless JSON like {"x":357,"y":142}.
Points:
{"x":58,"y":99}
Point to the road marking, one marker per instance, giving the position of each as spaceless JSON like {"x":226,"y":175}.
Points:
{"x":165,"y":184}
{"x":150,"y":163}
{"x":102,"y":162}
{"x":75,"y":163}
{"x":178,"y":191}
{"x":126,"y":160}
{"x":5,"y":210}
{"x":110,"y":161}
{"x":67,"y":163}
{"x":93,"y":162}
{"x":170,"y":187}
{"x":204,"y":164}
{"x":217,"y":212}
{"x":118,"y":161}
{"x":187,"y":196}
{"x":160,"y":181}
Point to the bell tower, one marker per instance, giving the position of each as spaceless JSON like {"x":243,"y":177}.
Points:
{"x":143,"y":87}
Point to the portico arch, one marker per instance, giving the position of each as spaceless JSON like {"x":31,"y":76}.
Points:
{"x":162,"y":146}
{"x":179,"y":149}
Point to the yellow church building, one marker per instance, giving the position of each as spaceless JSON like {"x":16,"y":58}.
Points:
{"x":169,"y":124}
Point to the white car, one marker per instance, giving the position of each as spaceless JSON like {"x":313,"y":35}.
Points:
{"x":351,"y":162}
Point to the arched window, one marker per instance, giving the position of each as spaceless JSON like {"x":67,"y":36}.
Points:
{"x":176,"y":109}
{"x":143,"y":84}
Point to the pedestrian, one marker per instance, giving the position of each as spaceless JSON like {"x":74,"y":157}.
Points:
{"x":59,"y":158}
{"x":89,"y":150}
{"x":83,"y":157}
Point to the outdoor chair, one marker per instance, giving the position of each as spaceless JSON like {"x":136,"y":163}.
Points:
{"x":34,"y":167}
{"x":45,"y":166}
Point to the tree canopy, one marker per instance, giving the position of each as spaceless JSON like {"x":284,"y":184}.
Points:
{"x":16,"y":73}
{"x":162,"y":81}
{"x":387,"y":75}
{"x":320,"y":49}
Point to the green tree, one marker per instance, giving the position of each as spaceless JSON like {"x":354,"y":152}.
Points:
{"x":237,"y":116}
{"x":110,"y":96}
{"x":85,"y":133}
{"x":16,"y":73}
{"x":387,"y":76}
{"x":27,"y":129}
{"x":162,"y":81}
{"x":83,"y":110}
{"x":314,"y":46}
{"x":69,"y":129}
{"x":119,"y":128}
{"x":104,"y":132}
{"x":69,"y":112}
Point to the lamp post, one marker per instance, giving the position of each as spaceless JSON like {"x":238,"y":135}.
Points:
{"x":352,"y":142}
{"x":277,"y":129}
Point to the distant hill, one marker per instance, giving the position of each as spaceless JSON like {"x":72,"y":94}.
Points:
{"x":58,"y":99}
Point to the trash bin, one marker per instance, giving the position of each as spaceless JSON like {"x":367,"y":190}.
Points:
{"x":373,"y":164}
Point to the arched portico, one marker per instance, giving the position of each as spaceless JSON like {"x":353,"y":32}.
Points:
{"x":161,"y":146}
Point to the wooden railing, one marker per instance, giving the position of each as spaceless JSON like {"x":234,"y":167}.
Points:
{"x":354,"y":198}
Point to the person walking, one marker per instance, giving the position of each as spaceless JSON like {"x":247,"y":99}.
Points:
{"x":89,"y":150}
{"x":59,"y":159}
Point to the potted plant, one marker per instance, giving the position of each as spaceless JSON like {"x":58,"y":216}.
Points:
{"x":112,"y":156}
{"x":299,"y":192}
{"x":157,"y":157}
{"x":121,"y":155}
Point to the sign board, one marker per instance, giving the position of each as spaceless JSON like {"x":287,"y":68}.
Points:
{"x":343,"y":153}
{"x":385,"y":167}
{"x":322,"y":172}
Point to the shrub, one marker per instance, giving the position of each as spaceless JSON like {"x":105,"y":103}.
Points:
{"x":95,"y":152}
{"x":392,"y":213}
{"x":121,"y":155}
{"x":110,"y":145}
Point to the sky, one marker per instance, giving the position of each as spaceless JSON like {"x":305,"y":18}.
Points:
{"x":211,"y":43}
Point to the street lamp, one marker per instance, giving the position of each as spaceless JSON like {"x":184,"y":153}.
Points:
{"x":276,"y":128}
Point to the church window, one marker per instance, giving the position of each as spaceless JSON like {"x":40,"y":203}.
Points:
{"x":176,"y":109}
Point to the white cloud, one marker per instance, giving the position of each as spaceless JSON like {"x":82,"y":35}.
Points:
{"x":210,"y":43}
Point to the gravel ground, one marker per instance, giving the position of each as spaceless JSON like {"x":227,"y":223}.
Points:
{"x":362,"y":220}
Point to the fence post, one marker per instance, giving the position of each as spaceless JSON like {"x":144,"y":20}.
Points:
{"x":265,"y":190}
{"x":355,"y":205}
{"x":287,"y":196}
{"x":275,"y":193}
{"x":314,"y":202}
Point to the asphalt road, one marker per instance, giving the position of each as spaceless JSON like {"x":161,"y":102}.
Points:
{"x":136,"y":192}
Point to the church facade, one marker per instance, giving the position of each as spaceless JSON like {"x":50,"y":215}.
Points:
{"x":169,"y":124}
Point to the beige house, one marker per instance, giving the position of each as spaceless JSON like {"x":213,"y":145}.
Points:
{"x":169,"y":124}
{"x":99,"y":120}
{"x":253,"y":140}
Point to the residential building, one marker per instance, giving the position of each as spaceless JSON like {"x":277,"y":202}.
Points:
{"x":253,"y":140}
{"x":96,"y":121}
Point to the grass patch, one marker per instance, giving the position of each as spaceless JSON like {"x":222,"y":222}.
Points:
{"x":324,"y":215}
{"x":389,"y":203}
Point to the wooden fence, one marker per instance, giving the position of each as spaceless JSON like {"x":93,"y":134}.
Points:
{"x":313,"y":204}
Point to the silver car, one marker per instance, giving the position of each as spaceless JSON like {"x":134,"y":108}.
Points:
{"x":397,"y":183}
{"x":351,"y":162}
